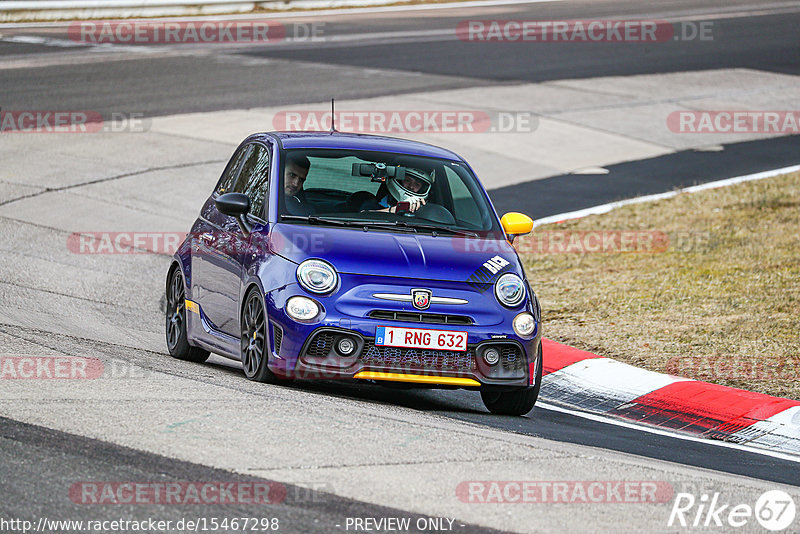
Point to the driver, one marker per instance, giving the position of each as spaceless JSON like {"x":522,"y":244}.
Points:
{"x":294,"y":176}
{"x":413,"y":188}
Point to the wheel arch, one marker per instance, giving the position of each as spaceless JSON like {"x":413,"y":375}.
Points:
{"x":252,"y":283}
{"x":184,"y":263}
{"x":172,"y":266}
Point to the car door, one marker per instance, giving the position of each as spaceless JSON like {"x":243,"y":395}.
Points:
{"x":221,"y":245}
{"x":209,"y":261}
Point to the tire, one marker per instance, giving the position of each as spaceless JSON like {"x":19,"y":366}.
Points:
{"x":177,"y":341}
{"x":518,"y":402}
{"x":254,"y":349}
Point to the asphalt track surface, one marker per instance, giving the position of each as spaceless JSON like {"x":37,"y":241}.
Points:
{"x":558,"y":426}
{"x":546,"y":197}
{"x":44,"y":461}
{"x":31,"y":455}
{"x":389,"y":61}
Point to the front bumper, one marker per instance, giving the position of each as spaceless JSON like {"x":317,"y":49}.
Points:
{"x":319,"y":358}
{"x":308,"y":351}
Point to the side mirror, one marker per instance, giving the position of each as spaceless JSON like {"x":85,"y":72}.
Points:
{"x":233,"y":204}
{"x":236,"y":205}
{"x":515,"y":224}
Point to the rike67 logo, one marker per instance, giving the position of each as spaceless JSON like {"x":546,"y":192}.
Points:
{"x":774,"y":510}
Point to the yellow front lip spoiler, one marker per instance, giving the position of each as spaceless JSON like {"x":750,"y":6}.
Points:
{"x":418,"y":379}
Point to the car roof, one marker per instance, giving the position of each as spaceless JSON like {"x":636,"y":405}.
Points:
{"x":360,"y":142}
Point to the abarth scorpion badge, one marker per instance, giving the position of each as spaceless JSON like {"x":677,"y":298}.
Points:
{"x":421,"y":298}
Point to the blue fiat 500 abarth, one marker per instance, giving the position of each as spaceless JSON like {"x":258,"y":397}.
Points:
{"x":342,"y":256}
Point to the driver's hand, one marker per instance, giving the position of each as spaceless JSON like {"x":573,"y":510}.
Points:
{"x":415,"y":204}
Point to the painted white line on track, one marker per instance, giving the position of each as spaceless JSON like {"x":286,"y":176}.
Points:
{"x":418,"y":36}
{"x":661,"y":432}
{"x":605,"y":208}
{"x":35,"y":39}
{"x":92,"y":47}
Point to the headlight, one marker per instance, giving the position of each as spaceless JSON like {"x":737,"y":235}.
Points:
{"x":509,"y":289}
{"x":302,"y":308}
{"x":524,"y":324}
{"x":317,"y":276}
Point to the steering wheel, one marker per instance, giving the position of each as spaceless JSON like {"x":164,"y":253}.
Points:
{"x":435,"y":213}
{"x":295,"y":206}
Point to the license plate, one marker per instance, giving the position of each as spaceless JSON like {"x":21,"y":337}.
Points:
{"x":418,"y":338}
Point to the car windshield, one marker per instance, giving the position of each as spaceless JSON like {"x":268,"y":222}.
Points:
{"x":382,"y":190}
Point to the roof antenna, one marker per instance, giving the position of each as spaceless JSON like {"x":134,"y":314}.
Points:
{"x":333,"y":118}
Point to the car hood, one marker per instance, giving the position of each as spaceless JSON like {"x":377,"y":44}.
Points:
{"x":405,"y":255}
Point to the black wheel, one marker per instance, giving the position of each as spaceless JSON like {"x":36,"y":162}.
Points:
{"x":177,"y":342}
{"x":255,"y":353}
{"x":518,"y":402}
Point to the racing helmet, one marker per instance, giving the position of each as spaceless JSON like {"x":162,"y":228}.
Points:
{"x":402,"y":186}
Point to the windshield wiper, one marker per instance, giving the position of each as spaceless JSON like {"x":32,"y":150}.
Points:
{"x":387,"y":224}
{"x":379,"y":224}
{"x":414,"y":227}
{"x":316,"y":220}
{"x":339,"y":222}
{"x":437,"y":228}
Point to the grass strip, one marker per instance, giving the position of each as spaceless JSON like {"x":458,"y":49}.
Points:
{"x":703,"y":285}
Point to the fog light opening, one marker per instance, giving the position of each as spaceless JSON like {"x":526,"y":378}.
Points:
{"x":491,"y":356}
{"x":345,"y":346}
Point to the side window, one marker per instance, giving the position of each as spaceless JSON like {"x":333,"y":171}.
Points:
{"x":232,"y":171}
{"x":254,"y":179}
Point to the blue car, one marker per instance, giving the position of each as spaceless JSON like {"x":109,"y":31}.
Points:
{"x":341,"y":256}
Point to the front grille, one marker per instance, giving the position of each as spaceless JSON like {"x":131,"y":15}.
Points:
{"x":277,"y":337}
{"x":418,"y":317}
{"x":321,"y":345}
{"x":418,"y":359}
{"x":512,"y":359}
